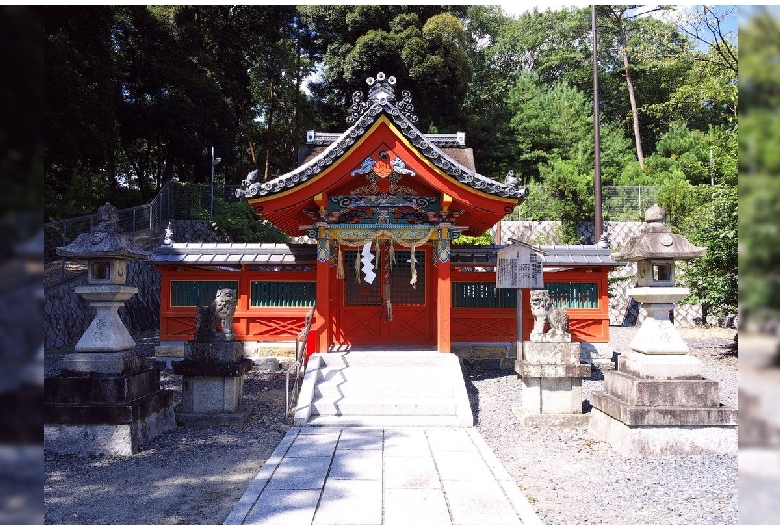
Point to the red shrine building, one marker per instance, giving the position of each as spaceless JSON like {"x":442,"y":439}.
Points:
{"x":384,"y":203}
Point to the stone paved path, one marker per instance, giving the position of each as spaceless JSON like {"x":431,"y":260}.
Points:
{"x":334,"y":476}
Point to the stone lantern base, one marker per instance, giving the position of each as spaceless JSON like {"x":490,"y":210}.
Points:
{"x":88,"y":413}
{"x":655,"y":439}
{"x":660,"y":405}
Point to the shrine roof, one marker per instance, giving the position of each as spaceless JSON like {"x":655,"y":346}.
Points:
{"x":382,"y":101}
{"x":305,"y":254}
{"x":234,"y":254}
{"x":553,"y":255}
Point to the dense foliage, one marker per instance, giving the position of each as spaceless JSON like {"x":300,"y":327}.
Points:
{"x":713,"y":278}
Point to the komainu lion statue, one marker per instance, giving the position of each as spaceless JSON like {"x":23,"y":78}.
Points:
{"x":540,"y":307}
{"x":545,"y":313}
{"x":217,"y":315}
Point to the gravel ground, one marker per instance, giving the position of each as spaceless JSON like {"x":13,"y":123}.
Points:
{"x":571,"y":478}
{"x":195,"y":475}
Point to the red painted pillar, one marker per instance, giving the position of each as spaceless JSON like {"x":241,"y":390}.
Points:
{"x":322,"y":311}
{"x":443,"y":306}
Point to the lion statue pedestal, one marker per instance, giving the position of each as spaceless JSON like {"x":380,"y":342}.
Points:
{"x":550,"y":369}
{"x":213,"y":368}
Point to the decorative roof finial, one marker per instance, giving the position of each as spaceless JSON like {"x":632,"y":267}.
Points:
{"x":381,"y":92}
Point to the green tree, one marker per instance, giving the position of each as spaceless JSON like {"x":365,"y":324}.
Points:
{"x":424,"y":47}
{"x":571,"y":196}
{"x":81,"y":121}
{"x":236,"y":221}
{"x":557,"y":123}
{"x":485,"y":108}
{"x":641,"y":43}
{"x":713,"y":278}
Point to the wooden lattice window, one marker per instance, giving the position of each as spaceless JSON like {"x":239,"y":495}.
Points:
{"x":401,"y":291}
{"x":359,"y":293}
{"x":580,"y":295}
{"x":189,"y":293}
{"x":482,"y":294}
{"x":283,"y":294}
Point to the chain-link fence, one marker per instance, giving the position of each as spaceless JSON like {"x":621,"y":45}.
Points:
{"x":627,"y":203}
{"x":145,"y":224}
{"x":618,"y":203}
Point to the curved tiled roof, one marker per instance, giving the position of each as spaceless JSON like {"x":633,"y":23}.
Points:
{"x":381,"y":101}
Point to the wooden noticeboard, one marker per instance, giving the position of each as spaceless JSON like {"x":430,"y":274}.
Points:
{"x":519,"y":267}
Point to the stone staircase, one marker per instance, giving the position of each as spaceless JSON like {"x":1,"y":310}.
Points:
{"x":384,"y":389}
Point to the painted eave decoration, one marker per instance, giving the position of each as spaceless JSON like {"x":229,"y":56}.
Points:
{"x":381,"y":124}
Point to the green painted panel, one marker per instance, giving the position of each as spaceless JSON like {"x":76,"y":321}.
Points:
{"x":574,"y":294}
{"x":195,"y":293}
{"x":283,"y":294}
{"x":482,"y":294}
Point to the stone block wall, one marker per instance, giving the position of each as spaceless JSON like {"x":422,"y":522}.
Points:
{"x":67,"y":315}
{"x":192,"y":231}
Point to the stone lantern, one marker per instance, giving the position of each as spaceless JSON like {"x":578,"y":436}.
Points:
{"x":107,"y":398}
{"x":106,"y":251}
{"x":657,"y":402}
{"x":655,"y":252}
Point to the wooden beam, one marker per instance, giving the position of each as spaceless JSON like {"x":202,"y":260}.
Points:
{"x":322,"y":311}
{"x":443,"y":306}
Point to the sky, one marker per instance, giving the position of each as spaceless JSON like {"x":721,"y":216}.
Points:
{"x":518,"y":8}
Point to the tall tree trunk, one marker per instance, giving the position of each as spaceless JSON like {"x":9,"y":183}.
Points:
{"x":269,"y":123}
{"x":248,"y":133}
{"x":619,"y":21}
{"x":634,"y":112}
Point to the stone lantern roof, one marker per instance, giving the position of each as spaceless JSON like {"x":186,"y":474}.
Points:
{"x":105,"y":240}
{"x":656,"y":241}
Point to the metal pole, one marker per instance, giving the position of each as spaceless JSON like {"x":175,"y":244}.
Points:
{"x":596,"y":130}
{"x":712,"y":168}
{"x":640,"y":201}
{"x":211,"y":209}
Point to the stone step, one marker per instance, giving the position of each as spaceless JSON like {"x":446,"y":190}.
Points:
{"x":362,"y":406}
{"x":384,"y":389}
{"x":386,"y":421}
{"x":386,"y":359}
{"x":383,"y":374}
{"x":335,"y":389}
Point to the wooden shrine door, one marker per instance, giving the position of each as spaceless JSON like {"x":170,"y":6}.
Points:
{"x":361,"y":317}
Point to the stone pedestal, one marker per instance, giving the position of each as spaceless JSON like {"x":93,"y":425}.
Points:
{"x":107,"y":332}
{"x":551,"y":375}
{"x":213,"y":382}
{"x":89,"y":413}
{"x":657,"y":403}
